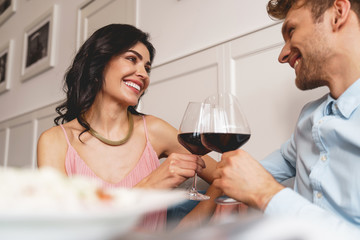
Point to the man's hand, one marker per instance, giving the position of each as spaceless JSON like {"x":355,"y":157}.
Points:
{"x":243,"y":178}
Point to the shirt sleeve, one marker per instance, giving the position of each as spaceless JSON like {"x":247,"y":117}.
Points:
{"x":278,"y":166}
{"x":289,"y":203}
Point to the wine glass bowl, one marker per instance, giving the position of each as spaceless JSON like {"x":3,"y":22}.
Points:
{"x":225,"y":128}
{"x":192,"y":142}
{"x":189,"y":136}
{"x":224,"y":142}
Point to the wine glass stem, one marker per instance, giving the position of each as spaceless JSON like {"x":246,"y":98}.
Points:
{"x":193,"y":188}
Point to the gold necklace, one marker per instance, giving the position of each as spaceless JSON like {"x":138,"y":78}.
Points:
{"x":115,"y":143}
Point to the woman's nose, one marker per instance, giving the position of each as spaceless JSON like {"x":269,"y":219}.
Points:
{"x":142,"y":72}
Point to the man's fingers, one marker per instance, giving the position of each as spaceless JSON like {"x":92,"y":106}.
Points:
{"x":216,"y":183}
{"x":217,"y":174}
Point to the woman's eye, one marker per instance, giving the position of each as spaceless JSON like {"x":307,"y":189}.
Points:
{"x":132,"y":59}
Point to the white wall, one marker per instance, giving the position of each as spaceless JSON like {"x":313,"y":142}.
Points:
{"x":177,"y":28}
{"x":180,"y":27}
{"x":203,"y":46}
{"x":45,"y":88}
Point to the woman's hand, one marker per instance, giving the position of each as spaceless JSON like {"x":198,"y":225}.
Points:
{"x":173,"y":171}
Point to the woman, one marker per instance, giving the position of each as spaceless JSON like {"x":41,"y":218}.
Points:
{"x":100,"y":134}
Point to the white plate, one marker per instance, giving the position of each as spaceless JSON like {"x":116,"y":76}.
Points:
{"x":100,"y":223}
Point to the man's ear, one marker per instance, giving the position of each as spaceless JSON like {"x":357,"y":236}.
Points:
{"x":341,"y":11}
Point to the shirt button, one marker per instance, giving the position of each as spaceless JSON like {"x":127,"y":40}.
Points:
{"x":319,"y":195}
{"x":323,"y":158}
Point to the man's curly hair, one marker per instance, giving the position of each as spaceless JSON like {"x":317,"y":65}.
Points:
{"x":278,"y":9}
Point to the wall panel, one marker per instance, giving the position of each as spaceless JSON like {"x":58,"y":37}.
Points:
{"x":3,"y":146}
{"x":21,"y":145}
{"x":175,"y":84}
{"x":18,"y":137}
{"x":96,"y":14}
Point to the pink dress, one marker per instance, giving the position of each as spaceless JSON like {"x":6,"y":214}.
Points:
{"x":147,"y":163}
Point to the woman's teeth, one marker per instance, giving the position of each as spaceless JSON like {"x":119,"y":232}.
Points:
{"x":134,"y":85}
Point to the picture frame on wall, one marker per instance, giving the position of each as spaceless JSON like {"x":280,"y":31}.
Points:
{"x":7,"y":8}
{"x":39,"y":45}
{"x":5,"y":66}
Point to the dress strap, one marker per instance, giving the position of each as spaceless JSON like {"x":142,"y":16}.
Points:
{"x":145,"y":128}
{"x":66,"y":136}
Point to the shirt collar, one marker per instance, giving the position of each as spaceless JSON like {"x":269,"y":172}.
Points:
{"x":346,"y":104}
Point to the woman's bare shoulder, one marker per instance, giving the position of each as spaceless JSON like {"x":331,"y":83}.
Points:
{"x":52,"y":134}
{"x":163,"y":136}
{"x":159,"y":128}
{"x":51,"y":148}
{"x":58,"y":133}
{"x":156,"y":122}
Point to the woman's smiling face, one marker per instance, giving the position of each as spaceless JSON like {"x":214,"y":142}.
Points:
{"x":126,"y":76}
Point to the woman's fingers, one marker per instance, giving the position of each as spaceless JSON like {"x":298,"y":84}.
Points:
{"x":175,"y":170}
{"x":187,"y":162}
{"x":183,"y":172}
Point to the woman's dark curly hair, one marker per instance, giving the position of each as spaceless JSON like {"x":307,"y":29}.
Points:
{"x":84,"y":79}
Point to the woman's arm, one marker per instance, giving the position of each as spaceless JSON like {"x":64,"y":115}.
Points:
{"x":162,"y":130}
{"x":177,"y":167}
{"x":204,"y":209}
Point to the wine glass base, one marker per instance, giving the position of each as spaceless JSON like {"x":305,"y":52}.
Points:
{"x":225,"y":200}
{"x":196,"y":196}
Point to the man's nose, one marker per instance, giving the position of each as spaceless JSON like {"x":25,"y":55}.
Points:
{"x":284,"y":54}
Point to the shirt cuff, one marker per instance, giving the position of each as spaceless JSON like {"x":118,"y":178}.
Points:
{"x":286,"y":202}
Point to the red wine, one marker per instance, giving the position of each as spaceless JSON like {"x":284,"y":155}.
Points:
{"x":223,"y":142}
{"x":192,"y":142}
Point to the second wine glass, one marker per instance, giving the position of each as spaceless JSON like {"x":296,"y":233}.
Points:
{"x":189,"y":136}
{"x":226,"y":128}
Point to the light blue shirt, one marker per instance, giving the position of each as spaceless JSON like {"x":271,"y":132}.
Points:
{"x":323,"y":155}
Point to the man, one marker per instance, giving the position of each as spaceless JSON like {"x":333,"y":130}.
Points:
{"x":322,"y":44}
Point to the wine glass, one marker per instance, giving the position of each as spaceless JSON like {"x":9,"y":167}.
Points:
{"x":189,"y":136}
{"x":226,"y":128}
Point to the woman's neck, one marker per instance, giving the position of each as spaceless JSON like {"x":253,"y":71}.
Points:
{"x":110,"y":120}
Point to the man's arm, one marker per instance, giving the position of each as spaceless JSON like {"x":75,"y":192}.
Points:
{"x":288,"y":203}
{"x":281,"y":163}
